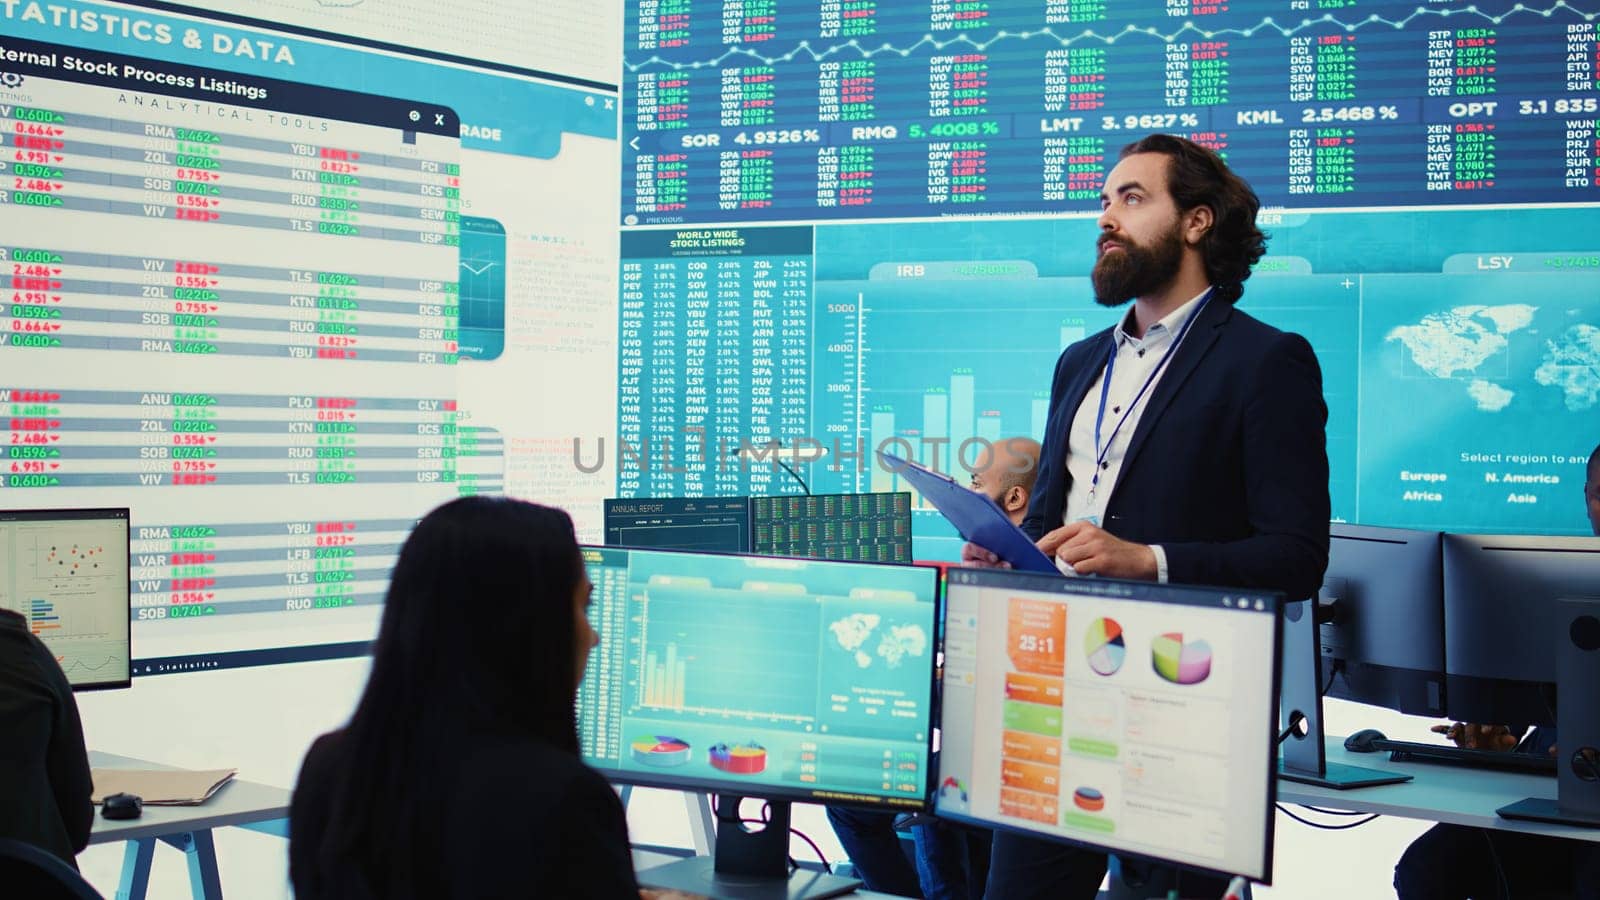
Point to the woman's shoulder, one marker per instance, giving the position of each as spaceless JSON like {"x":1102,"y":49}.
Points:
{"x":489,"y":755}
{"x":326,"y":745}
{"x":320,"y":758}
{"x":527,"y":770}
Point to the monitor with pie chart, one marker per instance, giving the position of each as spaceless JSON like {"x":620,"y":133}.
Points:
{"x":766,"y":677}
{"x":1133,"y":717}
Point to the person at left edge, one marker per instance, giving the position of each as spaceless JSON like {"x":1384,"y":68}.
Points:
{"x":45,"y":783}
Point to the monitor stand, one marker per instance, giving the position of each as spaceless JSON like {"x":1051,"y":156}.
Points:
{"x":1577,"y":800}
{"x":1303,"y":757}
{"x":747,"y":864}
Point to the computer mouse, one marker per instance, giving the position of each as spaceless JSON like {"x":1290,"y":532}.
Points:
{"x":1362,"y":741}
{"x":122,"y":806}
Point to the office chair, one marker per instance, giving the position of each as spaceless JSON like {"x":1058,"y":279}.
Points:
{"x":29,"y":871}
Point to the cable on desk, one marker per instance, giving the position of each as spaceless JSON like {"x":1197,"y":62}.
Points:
{"x":1329,"y":812}
{"x":1505,"y":887}
{"x":766,"y":819}
{"x":818,"y":850}
{"x":1297,"y":719}
{"x":1346,"y":826}
{"x":766,"y":813}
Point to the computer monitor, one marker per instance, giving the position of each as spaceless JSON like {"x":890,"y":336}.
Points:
{"x":1134,"y":717}
{"x":867,"y":527}
{"x":711,"y":524}
{"x":66,"y":572}
{"x":1502,"y":624}
{"x":747,"y":676}
{"x":1381,"y":615}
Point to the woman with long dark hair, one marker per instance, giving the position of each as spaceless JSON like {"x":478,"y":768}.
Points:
{"x":459,"y":773}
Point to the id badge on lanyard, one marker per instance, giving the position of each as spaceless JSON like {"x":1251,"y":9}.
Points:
{"x":1101,"y":449}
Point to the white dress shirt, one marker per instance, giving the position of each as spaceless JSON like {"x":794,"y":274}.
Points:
{"x":1137,"y":359}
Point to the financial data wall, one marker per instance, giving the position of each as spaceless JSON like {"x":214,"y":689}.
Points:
{"x":279,"y":291}
{"x":904,"y":197}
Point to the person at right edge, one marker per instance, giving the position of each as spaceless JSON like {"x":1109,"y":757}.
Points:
{"x":1187,"y":444}
{"x":1449,"y":862}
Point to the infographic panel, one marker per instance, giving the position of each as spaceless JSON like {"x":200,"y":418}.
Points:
{"x":809,"y":678}
{"x":1136,"y":725}
{"x":279,"y":332}
{"x":751,"y":110}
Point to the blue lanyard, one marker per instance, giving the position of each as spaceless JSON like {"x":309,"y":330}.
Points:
{"x":1100,"y":450}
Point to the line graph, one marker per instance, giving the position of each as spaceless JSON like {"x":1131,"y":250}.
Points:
{"x":80,"y":665}
{"x":1187,"y":29}
{"x":483,"y":287}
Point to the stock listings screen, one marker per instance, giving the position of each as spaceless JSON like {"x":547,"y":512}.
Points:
{"x":270,"y":291}
{"x":931,"y":171}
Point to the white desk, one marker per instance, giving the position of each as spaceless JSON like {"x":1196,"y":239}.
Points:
{"x":1439,"y":793}
{"x":245,"y":804}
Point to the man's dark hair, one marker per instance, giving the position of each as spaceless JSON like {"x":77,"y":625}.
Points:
{"x":1593,"y":471}
{"x":1197,"y":176}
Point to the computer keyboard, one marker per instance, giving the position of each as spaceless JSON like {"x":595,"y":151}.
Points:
{"x":1414,"y":751}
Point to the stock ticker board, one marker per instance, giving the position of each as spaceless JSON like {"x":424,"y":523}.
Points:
{"x":871,"y":224}
{"x":770,"y":110}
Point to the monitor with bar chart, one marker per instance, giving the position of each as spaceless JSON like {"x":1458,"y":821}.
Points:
{"x":66,"y":572}
{"x":771,"y":677}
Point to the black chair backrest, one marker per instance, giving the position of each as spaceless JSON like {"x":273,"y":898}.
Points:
{"x":35,"y":873}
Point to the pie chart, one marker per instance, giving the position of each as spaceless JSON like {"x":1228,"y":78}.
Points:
{"x":660,"y":751}
{"x":1103,"y":646}
{"x":1088,"y":799}
{"x":739,"y":759}
{"x":1179,"y":662}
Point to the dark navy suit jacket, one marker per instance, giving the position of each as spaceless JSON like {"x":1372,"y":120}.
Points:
{"x":1228,"y":467}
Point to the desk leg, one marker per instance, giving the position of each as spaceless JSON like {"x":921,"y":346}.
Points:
{"x":136,"y":856}
{"x":702,"y":828}
{"x":204,"y":882}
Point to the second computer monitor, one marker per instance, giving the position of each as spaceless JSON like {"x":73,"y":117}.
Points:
{"x":1139,"y":718}
{"x":1382,"y":615}
{"x":66,"y":572}
{"x":779,"y":678}
{"x":1503,"y":624}
{"x":866,"y":527}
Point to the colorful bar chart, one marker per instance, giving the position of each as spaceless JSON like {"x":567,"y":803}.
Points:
{"x":42,"y":616}
{"x":663,"y":679}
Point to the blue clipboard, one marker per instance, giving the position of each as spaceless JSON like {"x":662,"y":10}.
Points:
{"x":974,"y":515}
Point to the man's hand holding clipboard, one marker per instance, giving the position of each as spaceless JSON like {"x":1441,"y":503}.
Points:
{"x":978,"y":520}
{"x":1077,"y":548}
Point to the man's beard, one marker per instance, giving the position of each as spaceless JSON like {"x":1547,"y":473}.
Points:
{"x":1136,"y":271}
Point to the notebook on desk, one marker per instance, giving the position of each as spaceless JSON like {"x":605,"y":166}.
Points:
{"x":161,"y":787}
